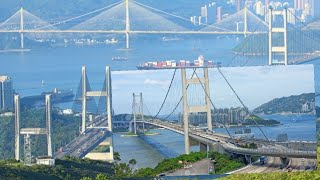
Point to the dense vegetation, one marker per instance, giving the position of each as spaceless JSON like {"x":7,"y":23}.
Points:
{"x":101,"y":148}
{"x":69,"y":168}
{"x":85,"y":169}
{"x":73,"y":168}
{"x":224,"y":163}
{"x":65,"y":128}
{"x":291,"y":104}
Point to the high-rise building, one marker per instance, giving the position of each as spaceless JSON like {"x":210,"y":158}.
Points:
{"x":240,"y":4}
{"x":6,"y":93}
{"x":204,"y":14}
{"x":259,"y":8}
{"x":212,"y":13}
{"x":219,"y":14}
{"x":315,"y":8}
{"x":267,"y":3}
{"x":299,"y":4}
{"x":291,"y":16}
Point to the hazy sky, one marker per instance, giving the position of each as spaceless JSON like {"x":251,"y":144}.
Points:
{"x":255,"y":86}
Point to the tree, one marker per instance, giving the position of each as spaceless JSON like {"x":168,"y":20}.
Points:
{"x":116,"y":156}
{"x":122,"y":170}
{"x":102,"y":177}
{"x":132,"y":163}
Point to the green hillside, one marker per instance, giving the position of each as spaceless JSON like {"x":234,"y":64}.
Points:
{"x":291,"y":104}
{"x":65,"y":128}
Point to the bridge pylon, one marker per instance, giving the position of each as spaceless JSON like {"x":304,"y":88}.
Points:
{"x":21,"y":29}
{"x":282,"y":49}
{"x":107,"y":92}
{"x":195,"y":109}
{"x":245,"y":21}
{"x":127,"y":25}
{"x":27,"y":132}
{"x":137,"y":110}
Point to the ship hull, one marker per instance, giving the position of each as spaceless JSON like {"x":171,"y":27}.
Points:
{"x":177,"y":67}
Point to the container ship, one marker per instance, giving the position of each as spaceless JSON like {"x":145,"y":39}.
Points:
{"x":57,"y":96}
{"x":173,"y":64}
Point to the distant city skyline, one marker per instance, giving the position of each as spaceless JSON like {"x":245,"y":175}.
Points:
{"x":305,"y":10}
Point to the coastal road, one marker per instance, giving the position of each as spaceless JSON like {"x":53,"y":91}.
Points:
{"x":273,"y":165}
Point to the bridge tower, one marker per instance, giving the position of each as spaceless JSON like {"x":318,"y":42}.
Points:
{"x":195,"y":109}
{"x":245,"y":21}
{"x":104,"y":93}
{"x":127,"y":25}
{"x":27,"y":132}
{"x":21,"y":29}
{"x":278,"y":50}
{"x":137,"y":110}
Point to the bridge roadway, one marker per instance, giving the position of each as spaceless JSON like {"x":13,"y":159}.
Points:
{"x":224,"y":140}
{"x":131,"y":32}
{"x":84,"y":143}
{"x":307,"y":58}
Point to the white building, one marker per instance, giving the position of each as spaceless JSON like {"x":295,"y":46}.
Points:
{"x":49,"y":161}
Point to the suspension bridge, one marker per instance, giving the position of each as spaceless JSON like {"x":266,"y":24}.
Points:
{"x":273,"y":43}
{"x":188,"y":94}
{"x":196,"y":84}
{"x":131,"y":17}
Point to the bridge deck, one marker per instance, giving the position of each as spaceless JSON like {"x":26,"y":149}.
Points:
{"x":223,"y":140}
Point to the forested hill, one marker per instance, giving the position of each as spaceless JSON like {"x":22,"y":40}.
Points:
{"x":291,"y":104}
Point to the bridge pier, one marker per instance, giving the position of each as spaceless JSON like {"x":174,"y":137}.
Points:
{"x":143,"y":129}
{"x":203,"y":147}
{"x":185,"y":112}
{"x":248,"y":158}
{"x":103,"y":156}
{"x":127,"y":41}
{"x":22,"y":40}
{"x":21,"y":29}
{"x":90,"y":120}
{"x":284,"y":161}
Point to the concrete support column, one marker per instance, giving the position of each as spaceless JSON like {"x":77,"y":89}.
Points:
{"x":185,"y":112}
{"x":127,"y":40}
{"x":84,"y":99}
{"x":284,"y":161}
{"x":48,"y":122}
{"x":141,"y":111}
{"x":270,"y":34}
{"x":127,"y":24}
{"x":21,"y":29}
{"x":134,"y":114}
{"x":248,"y":158}
{"x":285,"y":15}
{"x":203,"y":147}
{"x":144,"y":131}
{"x":207,"y":99}
{"x":245,"y":21}
{"x":109,"y":108}
{"x":17,"y":126}
{"x":90,"y":120}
